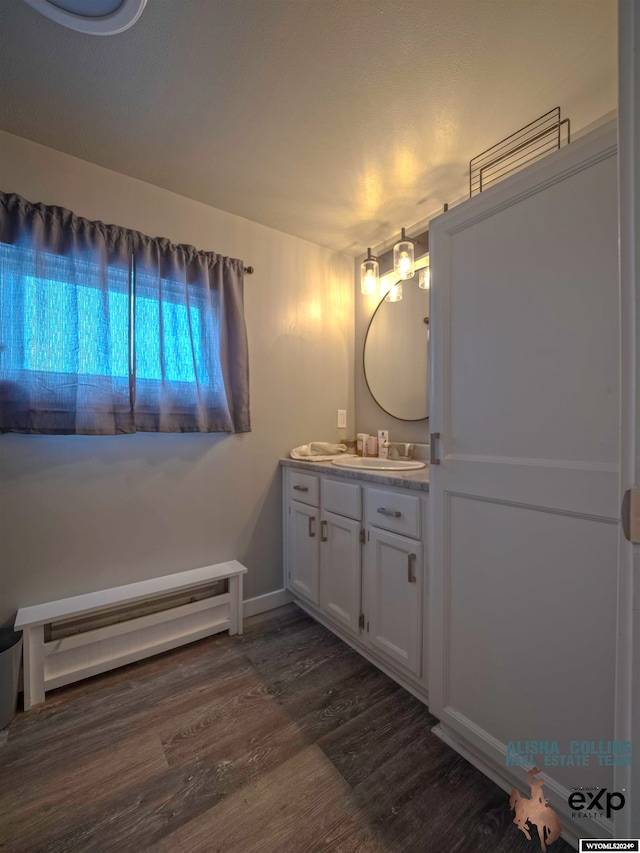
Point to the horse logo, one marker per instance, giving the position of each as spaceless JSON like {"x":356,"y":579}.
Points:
{"x":535,"y":812}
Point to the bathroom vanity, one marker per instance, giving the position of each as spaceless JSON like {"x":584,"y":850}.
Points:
{"x":355,"y":560}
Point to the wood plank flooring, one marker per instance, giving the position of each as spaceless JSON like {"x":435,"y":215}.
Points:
{"x":283,"y":740}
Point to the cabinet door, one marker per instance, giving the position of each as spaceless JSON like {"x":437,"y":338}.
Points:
{"x":303,"y":565}
{"x":340,"y":569}
{"x":394,"y":578}
{"x":525,"y":502}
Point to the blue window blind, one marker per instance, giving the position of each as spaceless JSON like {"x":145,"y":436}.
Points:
{"x":104,"y":330}
{"x":56,"y":318}
{"x":60,"y":320}
{"x":187,"y":350}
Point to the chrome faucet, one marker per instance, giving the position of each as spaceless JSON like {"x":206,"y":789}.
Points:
{"x":400,"y":449}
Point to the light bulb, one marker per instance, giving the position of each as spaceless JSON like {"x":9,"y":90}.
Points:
{"x":424,"y":278}
{"x":369,"y":284}
{"x":403,"y":258}
{"x":395,"y":292}
{"x":369,"y":275}
{"x":404,"y":266}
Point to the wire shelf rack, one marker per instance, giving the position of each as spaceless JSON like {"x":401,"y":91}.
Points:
{"x":527,"y":145}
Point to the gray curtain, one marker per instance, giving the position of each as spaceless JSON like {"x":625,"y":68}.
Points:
{"x":104,"y":330}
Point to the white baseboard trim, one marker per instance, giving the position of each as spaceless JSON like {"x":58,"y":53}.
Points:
{"x":269,"y":601}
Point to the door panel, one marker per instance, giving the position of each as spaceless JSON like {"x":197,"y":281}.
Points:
{"x":340,"y":569}
{"x":304,"y":551}
{"x":524,"y":505}
{"x":524,"y":594}
{"x":394,"y":578}
{"x":528,"y":281}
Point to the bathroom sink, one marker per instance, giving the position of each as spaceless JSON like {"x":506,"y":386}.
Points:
{"x":370,"y":463}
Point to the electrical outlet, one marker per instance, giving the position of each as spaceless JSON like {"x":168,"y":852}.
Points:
{"x":342,"y":418}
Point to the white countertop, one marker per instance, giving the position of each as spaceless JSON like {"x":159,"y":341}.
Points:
{"x":418,"y":480}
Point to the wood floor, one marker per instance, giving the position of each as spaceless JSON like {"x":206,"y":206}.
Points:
{"x":279,"y":741}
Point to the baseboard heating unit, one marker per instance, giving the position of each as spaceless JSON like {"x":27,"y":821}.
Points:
{"x":74,"y":638}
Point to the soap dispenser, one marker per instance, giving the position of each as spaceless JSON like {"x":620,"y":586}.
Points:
{"x":383,"y":443}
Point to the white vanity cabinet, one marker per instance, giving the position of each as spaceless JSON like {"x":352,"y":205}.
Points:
{"x":355,"y":560}
{"x":304,"y":557}
{"x":340,"y":590}
{"x":340,"y":545}
{"x":324,"y":542}
{"x":393,"y":577}
{"x":301,"y":541}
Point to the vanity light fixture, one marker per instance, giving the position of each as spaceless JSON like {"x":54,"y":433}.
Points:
{"x":424,"y":278}
{"x":403,"y":257}
{"x":375,"y":269}
{"x":369,"y":275}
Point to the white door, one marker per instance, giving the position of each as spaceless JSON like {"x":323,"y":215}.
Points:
{"x":340,"y":569}
{"x":524,"y":503}
{"x":393,"y":578}
{"x":304,"y":551}
{"x":627,"y":821}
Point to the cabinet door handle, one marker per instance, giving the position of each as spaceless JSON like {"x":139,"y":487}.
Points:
{"x":312,"y":526}
{"x":323,"y":531}
{"x":392,"y":513}
{"x":433,"y":459}
{"x":301,"y":488}
{"x":411,"y":578}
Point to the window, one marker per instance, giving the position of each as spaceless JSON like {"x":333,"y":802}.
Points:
{"x":35,"y":308}
{"x":55,"y":320}
{"x":197,"y":362}
{"x":118,"y":333}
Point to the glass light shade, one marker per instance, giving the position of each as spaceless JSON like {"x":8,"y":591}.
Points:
{"x":424,"y":278}
{"x":369,"y":277}
{"x":395,"y":293}
{"x":403,"y":259}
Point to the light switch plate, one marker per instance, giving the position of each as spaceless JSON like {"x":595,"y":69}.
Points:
{"x":342,"y":418}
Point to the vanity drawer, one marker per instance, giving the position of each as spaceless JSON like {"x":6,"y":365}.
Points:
{"x":342,"y":498}
{"x":393,"y":511}
{"x":304,"y":487}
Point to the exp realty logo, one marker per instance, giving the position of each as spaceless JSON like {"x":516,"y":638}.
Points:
{"x":595,"y":802}
{"x":584,"y":802}
{"x":536,"y":811}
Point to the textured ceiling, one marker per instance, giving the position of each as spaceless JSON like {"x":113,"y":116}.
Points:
{"x":337,"y":121}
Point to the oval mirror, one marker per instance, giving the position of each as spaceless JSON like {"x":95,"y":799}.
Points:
{"x":396,"y":354}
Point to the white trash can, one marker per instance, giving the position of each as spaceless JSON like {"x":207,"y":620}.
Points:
{"x":10,"y":652}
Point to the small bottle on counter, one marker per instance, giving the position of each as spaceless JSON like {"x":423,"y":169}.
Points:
{"x":372,"y":445}
{"x":361,"y":441}
{"x":383,"y":443}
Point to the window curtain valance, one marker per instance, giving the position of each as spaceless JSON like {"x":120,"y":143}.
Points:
{"x":105,"y":330}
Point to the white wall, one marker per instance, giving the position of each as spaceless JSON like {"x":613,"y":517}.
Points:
{"x":79,"y":513}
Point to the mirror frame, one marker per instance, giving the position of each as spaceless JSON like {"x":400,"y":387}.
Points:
{"x":364,"y":369}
